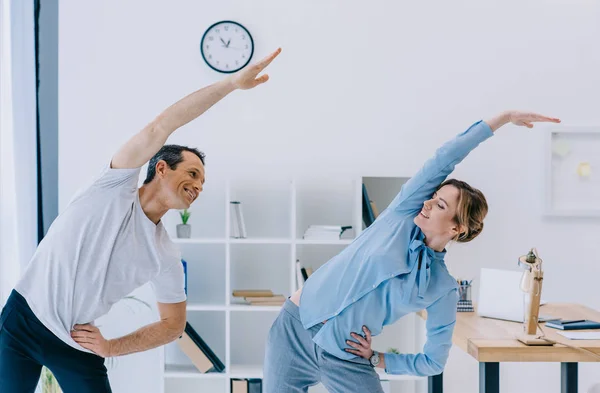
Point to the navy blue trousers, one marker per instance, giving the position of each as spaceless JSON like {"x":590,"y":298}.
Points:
{"x":26,"y":345}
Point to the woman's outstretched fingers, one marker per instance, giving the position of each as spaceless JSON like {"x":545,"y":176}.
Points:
{"x":548,"y":119}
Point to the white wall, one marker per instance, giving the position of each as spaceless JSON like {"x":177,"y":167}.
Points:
{"x":369,"y":88}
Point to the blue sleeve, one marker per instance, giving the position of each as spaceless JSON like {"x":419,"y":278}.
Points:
{"x":441,"y":318}
{"x":423,"y":184}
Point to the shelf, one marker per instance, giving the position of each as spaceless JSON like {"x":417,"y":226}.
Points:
{"x":282,"y":240}
{"x":246,"y":308}
{"x":206,"y":307}
{"x":326,"y":242}
{"x":200,"y":240}
{"x":181,"y":371}
{"x":246,"y":371}
{"x":232,"y":307}
{"x":276,"y":216}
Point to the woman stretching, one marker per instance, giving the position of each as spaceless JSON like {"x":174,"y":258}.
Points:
{"x":395,"y":267}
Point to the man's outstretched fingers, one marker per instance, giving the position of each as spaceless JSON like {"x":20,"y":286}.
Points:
{"x":267,"y":60}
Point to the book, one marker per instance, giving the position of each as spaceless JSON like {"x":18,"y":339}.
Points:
{"x":579,"y":324}
{"x":238,"y":226}
{"x":304,"y":274}
{"x":253,"y":385}
{"x":326,"y":232}
{"x":261,"y":299}
{"x":299,"y":278}
{"x":367,"y":210}
{"x":198,"y":351}
{"x":374,"y":208}
{"x":235,"y":225}
{"x":267,"y":304}
{"x":252,"y":292}
{"x":242,"y":222}
{"x":334,"y":228}
{"x":184,"y":263}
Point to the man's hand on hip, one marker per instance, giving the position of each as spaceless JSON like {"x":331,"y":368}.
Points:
{"x":89,"y":337}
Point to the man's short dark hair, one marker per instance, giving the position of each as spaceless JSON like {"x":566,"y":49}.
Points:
{"x":172,"y":155}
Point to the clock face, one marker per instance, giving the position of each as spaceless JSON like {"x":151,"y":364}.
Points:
{"x":227,"y":46}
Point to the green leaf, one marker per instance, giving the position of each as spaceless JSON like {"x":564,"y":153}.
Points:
{"x":185,"y":216}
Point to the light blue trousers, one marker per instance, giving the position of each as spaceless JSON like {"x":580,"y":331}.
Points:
{"x":293,"y":362}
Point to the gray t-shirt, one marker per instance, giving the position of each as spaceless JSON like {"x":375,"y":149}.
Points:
{"x":97,"y":251}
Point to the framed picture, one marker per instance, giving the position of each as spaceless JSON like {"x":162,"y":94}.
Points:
{"x":573,"y":172}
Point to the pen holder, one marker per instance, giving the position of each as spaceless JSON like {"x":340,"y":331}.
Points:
{"x":465,"y":303}
{"x":464,"y":292}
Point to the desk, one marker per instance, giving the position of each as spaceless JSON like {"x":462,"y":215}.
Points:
{"x":491,"y":341}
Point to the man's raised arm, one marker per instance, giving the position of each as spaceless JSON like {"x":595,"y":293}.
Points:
{"x":146,"y":143}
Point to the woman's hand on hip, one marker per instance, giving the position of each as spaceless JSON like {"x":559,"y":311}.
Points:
{"x":362,"y":346}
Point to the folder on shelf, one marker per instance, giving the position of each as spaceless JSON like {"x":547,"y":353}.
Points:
{"x":198,"y":351}
{"x":252,"y":385}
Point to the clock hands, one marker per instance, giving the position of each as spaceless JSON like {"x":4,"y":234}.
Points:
{"x":226,"y":45}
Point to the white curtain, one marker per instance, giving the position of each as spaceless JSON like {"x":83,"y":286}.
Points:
{"x":18,"y":172}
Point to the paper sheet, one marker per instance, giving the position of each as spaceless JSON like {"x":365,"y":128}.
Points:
{"x":581,"y":335}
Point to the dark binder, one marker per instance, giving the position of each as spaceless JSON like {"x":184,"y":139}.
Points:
{"x":200,"y":360}
{"x":253,"y":385}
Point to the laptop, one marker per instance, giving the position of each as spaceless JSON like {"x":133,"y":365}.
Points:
{"x":500,"y":296}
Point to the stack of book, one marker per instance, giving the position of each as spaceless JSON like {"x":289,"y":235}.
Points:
{"x":328,"y":232}
{"x":199,"y":352}
{"x":258,"y":297}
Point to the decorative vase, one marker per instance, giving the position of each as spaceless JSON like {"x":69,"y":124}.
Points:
{"x":184,"y":231}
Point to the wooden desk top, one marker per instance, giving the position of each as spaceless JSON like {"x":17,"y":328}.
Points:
{"x":492,"y":340}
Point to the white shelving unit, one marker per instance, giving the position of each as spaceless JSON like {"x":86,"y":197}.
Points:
{"x":276,"y":216}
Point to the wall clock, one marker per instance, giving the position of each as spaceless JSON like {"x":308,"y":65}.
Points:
{"x":227,"y":46}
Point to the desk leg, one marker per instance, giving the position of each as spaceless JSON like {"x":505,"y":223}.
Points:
{"x":568,"y":377}
{"x":436,"y":383}
{"x":489,"y":377}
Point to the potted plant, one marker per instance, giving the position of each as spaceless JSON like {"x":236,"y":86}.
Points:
{"x":184,"y":230}
{"x":49,"y":382}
